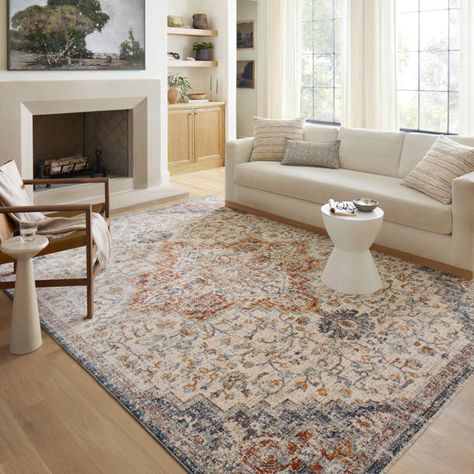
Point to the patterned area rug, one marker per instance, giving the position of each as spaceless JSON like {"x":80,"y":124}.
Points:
{"x":213,"y":329}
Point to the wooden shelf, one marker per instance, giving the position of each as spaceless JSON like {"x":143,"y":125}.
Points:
{"x":203,"y":105}
{"x":181,"y":63}
{"x":191,"y":32}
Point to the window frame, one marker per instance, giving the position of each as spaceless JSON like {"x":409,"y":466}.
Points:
{"x":449,"y":91}
{"x":314,"y":87}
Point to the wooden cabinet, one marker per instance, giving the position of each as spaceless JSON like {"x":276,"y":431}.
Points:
{"x":180,"y":137}
{"x":196,"y":137}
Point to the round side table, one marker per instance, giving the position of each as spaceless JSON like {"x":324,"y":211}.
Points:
{"x":25,"y":327}
{"x":351,"y":268}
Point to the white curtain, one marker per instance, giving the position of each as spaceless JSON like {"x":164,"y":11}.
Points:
{"x":370,"y":65}
{"x":466,"y":90}
{"x":278,"y":62}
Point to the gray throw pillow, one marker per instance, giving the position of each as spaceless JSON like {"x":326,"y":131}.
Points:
{"x":323,"y":155}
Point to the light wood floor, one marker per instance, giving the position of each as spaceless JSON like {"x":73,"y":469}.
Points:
{"x":55,"y":418}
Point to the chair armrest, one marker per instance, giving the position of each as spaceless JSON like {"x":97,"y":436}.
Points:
{"x":65,"y":181}
{"x":104,"y":181}
{"x":81,"y":208}
{"x":463,"y":220}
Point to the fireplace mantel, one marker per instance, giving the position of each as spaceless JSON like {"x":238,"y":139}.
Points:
{"x":20,"y":101}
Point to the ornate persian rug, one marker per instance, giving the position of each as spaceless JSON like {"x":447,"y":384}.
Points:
{"x":214,"y":331}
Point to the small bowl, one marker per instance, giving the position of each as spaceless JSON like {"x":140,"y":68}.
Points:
{"x":197,"y":96}
{"x":365,"y":204}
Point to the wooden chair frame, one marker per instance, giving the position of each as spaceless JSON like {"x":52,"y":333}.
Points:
{"x":65,"y":210}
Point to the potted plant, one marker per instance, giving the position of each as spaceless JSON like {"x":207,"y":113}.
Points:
{"x":178,"y":86}
{"x":203,"y":51}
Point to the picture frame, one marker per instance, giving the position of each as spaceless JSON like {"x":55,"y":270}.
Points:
{"x":108,"y":35}
{"x":246,"y":74}
{"x":246,"y":34}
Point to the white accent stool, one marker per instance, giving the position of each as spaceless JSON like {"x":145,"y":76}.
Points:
{"x":351,"y":268}
{"x":25,"y":328}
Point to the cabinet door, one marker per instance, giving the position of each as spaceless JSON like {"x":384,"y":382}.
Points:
{"x":180,"y":138}
{"x":209,"y":135}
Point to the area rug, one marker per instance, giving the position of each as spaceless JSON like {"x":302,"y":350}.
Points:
{"x":214,"y":331}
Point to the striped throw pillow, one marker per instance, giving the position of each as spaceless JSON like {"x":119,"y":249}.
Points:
{"x":271,"y":136}
{"x":445,"y":161}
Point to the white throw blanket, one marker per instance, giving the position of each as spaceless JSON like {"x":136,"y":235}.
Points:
{"x":13,"y":193}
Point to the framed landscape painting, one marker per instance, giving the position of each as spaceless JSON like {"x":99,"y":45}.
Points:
{"x":246,"y":74}
{"x":76,"y":34}
{"x":246,"y":34}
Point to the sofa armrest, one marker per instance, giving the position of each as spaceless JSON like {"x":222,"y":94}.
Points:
{"x":463,"y":221}
{"x":237,"y":152}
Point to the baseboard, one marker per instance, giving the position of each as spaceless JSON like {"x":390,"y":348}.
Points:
{"x":443,"y":267}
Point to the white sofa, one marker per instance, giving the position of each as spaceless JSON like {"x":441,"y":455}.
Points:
{"x":372,"y":163}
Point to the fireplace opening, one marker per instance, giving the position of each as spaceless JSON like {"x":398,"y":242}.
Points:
{"x":82,"y":145}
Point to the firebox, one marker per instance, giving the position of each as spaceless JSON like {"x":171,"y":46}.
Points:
{"x":82,"y":144}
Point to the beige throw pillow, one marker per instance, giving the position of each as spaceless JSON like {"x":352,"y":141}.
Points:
{"x":445,"y":161}
{"x":271,"y":136}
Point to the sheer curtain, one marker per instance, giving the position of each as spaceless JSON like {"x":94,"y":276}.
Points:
{"x":466,"y":85}
{"x":279,"y":64}
{"x":370,"y":65}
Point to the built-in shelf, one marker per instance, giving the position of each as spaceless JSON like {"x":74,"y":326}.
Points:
{"x":182,"y":63}
{"x":191,"y":32}
{"x":202,"y":105}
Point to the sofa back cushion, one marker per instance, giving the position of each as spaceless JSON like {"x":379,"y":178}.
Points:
{"x":320,"y":133}
{"x":370,"y":151}
{"x":416,"y":146}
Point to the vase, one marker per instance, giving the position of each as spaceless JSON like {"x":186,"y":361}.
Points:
{"x":173,"y":95}
{"x":203,"y":55}
{"x":200,"y":21}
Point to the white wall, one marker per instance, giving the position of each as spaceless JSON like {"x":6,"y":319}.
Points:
{"x":155,"y":68}
{"x":247,"y":99}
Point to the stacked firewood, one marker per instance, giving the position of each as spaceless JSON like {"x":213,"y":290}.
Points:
{"x":66,"y":165}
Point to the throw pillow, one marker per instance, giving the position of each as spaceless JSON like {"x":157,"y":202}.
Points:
{"x":271,"y":136}
{"x":13,"y":193}
{"x":445,"y":161}
{"x":324,"y":155}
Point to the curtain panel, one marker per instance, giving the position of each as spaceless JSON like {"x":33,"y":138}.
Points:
{"x":370,"y":65}
{"x":466,"y":84}
{"x":279,"y":58}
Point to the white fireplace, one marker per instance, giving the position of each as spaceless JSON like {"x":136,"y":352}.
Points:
{"x":23,"y":102}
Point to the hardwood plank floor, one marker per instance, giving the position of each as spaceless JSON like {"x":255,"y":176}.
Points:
{"x":55,"y":418}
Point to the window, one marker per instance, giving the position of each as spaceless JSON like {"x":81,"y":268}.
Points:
{"x":321,"y":76}
{"x":428,"y":48}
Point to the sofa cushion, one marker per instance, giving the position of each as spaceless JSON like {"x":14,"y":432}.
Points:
{"x":370,"y":151}
{"x":320,"y":133}
{"x":401,"y":205}
{"x":271,"y":136}
{"x":416,"y":145}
